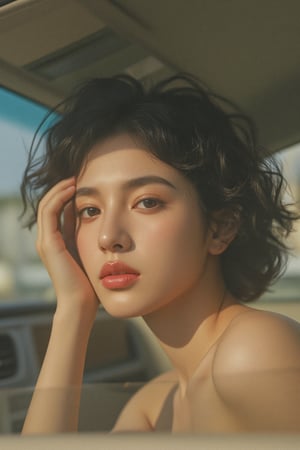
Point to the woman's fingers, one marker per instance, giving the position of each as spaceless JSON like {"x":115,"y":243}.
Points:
{"x":49,"y":215}
{"x":69,"y":229}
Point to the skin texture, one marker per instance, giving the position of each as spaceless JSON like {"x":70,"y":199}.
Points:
{"x":231,"y":362}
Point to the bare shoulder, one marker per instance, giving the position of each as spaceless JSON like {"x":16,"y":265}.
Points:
{"x":142,"y":411}
{"x":258,"y":340}
{"x":256,"y":371}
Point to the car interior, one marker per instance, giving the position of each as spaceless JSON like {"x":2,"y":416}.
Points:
{"x":246,"y":51}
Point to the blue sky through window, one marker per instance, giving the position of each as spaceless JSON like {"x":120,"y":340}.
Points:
{"x":19,"y":119}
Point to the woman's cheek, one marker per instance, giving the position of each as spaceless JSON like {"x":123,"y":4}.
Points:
{"x":159,"y":231}
{"x":83,"y":243}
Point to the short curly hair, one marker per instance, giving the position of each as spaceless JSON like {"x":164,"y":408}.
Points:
{"x":200,"y":134}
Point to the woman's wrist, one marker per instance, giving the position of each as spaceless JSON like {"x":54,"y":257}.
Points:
{"x":72,"y":313}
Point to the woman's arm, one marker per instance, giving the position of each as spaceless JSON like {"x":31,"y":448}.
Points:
{"x":55,"y":403}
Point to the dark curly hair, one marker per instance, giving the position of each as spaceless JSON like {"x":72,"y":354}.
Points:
{"x":200,"y":134}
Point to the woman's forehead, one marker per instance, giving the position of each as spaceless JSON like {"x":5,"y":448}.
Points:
{"x":122,"y":141}
{"x":122,"y":153}
{"x":120,"y":159}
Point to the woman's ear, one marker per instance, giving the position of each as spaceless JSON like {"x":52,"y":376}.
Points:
{"x":224,"y":227}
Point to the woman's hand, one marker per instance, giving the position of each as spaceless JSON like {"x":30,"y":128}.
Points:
{"x":57,"y":249}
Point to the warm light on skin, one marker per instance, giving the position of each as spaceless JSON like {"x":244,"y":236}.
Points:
{"x":135,"y":208}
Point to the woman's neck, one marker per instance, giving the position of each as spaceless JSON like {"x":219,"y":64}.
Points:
{"x":188,"y":327}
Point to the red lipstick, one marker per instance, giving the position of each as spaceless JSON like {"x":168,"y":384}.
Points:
{"x":118,"y":275}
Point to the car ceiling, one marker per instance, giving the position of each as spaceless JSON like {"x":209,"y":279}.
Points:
{"x":247,"y":51}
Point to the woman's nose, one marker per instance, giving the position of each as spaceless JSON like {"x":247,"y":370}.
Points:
{"x":113,"y":237}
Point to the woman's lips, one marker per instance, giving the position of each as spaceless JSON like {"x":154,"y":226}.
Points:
{"x":118,"y":275}
{"x":121,"y":281}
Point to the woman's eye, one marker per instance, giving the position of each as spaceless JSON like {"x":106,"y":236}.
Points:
{"x":149,"y":203}
{"x":89,"y":212}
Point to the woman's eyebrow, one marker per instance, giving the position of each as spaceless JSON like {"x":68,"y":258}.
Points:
{"x":149,"y":179}
{"x":130,"y":184}
{"x":86,"y":191}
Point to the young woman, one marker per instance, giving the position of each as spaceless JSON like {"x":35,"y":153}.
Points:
{"x":157,"y":203}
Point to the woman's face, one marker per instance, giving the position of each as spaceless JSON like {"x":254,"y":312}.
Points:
{"x":140,"y":232}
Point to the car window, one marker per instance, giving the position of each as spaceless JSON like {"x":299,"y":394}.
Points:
{"x":287,"y":288}
{"x":22,"y":277}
